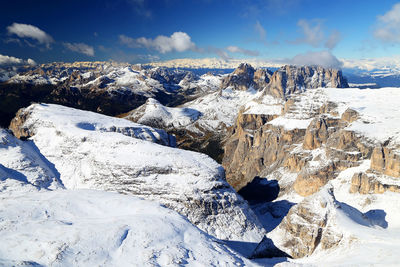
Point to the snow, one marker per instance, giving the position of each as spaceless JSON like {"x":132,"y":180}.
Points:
{"x":34,"y":79}
{"x":269,"y":106}
{"x":190,"y":183}
{"x":95,"y":228}
{"x":378,"y":108}
{"x":75,"y":120}
{"x":211,"y":81}
{"x":22,"y":162}
{"x":177,"y":117}
{"x":220,"y":109}
{"x":290,"y":124}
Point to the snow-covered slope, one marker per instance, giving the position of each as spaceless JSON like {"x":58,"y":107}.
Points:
{"x":155,"y":114}
{"x":44,"y":224}
{"x":75,"y":120}
{"x":190,"y":183}
{"x":22,"y":161}
{"x":378,"y":108}
{"x":95,"y":228}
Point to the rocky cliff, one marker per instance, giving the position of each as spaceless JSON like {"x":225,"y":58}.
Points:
{"x":245,"y":77}
{"x":285,"y":81}
{"x":323,"y":138}
{"x":290,"y":79}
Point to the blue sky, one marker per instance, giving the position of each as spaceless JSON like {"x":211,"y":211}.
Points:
{"x":145,"y":30}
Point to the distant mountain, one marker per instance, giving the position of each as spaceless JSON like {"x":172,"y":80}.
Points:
{"x":104,"y":87}
{"x":213,"y":63}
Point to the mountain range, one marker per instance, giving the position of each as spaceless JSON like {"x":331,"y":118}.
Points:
{"x":119,"y":164}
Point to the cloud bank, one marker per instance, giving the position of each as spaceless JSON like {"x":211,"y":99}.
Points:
{"x":235,"y":49}
{"x":14,"y":61}
{"x":30,"y":31}
{"x":321,"y":58}
{"x":177,"y":42}
{"x":80,"y":48}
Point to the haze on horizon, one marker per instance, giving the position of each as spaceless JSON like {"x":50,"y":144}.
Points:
{"x":141,"y":31}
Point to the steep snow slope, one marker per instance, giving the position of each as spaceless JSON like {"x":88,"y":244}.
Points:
{"x":22,"y":161}
{"x":190,"y":183}
{"x":94,"y":228}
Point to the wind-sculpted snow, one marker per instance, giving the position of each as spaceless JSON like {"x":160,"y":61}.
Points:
{"x":21,"y":161}
{"x":74,"y":120}
{"x":95,"y":228}
{"x":190,"y":183}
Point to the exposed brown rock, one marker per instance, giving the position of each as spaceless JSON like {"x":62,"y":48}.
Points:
{"x":295,"y":162}
{"x":307,"y":226}
{"x":386,"y":161}
{"x":368,"y":184}
{"x":17,"y":125}
{"x":316,"y":134}
{"x":350,"y":115}
{"x":290,"y":79}
{"x":247,"y":153}
{"x":309,"y":182}
{"x":245,"y":76}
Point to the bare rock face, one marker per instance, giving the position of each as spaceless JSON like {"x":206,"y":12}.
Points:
{"x":316,"y":134}
{"x":290,"y":79}
{"x":254,"y":147}
{"x":315,"y":155}
{"x":350,"y":115}
{"x":309,"y":225}
{"x":367,"y":183}
{"x":386,"y":161}
{"x":309,"y":182}
{"x":245,"y":76}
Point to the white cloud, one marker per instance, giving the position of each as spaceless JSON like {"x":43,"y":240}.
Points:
{"x":178,"y":41}
{"x":388,"y":26}
{"x":30,"y":31}
{"x":333,"y":40}
{"x":260,"y":31}
{"x":30,"y":61}
{"x":12,"y":61}
{"x":312,"y":32}
{"x":321,"y":58}
{"x":235,"y":49}
{"x":80,"y":48}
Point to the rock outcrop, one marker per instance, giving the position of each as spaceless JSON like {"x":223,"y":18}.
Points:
{"x":368,"y":183}
{"x":290,"y":79}
{"x":316,"y":148}
{"x":386,"y":161}
{"x":245,"y":77}
{"x":309,"y":225}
